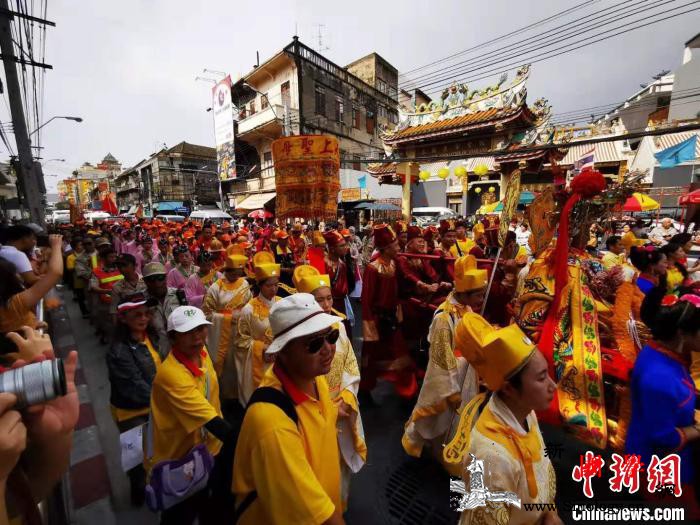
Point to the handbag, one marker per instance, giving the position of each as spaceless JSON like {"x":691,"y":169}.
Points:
{"x":173,"y":481}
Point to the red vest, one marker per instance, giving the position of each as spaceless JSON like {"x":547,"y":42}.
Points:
{"x":107,"y":281}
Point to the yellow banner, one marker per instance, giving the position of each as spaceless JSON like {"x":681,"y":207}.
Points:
{"x":307,"y":176}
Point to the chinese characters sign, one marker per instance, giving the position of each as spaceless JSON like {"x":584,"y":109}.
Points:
{"x":307,"y":176}
{"x":662,"y":474}
{"x":223,"y":129}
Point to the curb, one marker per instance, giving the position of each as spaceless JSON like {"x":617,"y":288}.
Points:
{"x":86,"y":486}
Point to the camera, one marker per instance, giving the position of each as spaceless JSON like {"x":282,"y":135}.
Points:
{"x":35,"y":383}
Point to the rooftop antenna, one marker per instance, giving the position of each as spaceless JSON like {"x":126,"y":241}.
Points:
{"x":321,"y":47}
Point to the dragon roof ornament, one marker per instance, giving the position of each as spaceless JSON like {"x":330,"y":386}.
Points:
{"x":458,"y":100}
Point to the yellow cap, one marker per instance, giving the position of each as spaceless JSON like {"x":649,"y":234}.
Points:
{"x":318,"y":239}
{"x":236,"y":261}
{"x":266,"y":270}
{"x":467,"y":277}
{"x":263,"y":257}
{"x":306,"y":279}
{"x":496,"y":353}
{"x":235,"y":249}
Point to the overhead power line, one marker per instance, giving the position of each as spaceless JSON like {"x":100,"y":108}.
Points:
{"x":502,"y":37}
{"x":574,"y":27}
{"x":593,"y":39}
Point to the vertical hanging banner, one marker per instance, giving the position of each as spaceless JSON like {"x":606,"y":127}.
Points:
{"x":510,"y":204}
{"x":307,"y":176}
{"x":223,"y":129}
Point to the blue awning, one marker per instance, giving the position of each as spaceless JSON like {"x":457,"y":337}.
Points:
{"x":169,"y":205}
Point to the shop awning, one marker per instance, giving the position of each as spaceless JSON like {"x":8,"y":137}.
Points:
{"x":169,"y":205}
{"x":255,"y":202}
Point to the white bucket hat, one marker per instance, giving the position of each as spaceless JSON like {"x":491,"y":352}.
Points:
{"x":296,"y":316}
{"x":186,"y":318}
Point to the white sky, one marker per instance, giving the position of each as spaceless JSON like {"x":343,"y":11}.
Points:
{"x":128,"y":67}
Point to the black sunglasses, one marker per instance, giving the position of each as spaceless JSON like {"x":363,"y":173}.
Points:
{"x":152,"y":278}
{"x":315,"y":344}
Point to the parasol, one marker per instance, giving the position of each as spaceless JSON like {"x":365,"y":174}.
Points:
{"x":260,"y":214}
{"x":690,"y":198}
{"x":640,"y":202}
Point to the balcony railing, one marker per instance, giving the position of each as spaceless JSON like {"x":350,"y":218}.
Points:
{"x":264,"y":116}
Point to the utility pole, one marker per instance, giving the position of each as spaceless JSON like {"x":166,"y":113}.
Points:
{"x":29,"y":173}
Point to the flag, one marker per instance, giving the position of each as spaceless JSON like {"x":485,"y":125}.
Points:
{"x":675,"y":155}
{"x":362,"y":181}
{"x":585,"y":161}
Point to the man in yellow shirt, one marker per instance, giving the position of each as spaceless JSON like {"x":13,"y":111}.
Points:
{"x":463,"y":245}
{"x":615,"y":256}
{"x":185,"y":411}
{"x":287,"y":464}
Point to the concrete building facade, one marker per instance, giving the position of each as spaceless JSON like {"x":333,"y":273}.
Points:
{"x":298,"y":91}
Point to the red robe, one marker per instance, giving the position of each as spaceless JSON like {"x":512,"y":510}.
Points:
{"x":339,"y":284}
{"x":418,"y":305}
{"x":445,"y":269}
{"x":384,"y":350}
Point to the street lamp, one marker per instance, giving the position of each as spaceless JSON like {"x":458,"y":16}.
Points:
{"x":76,"y":119}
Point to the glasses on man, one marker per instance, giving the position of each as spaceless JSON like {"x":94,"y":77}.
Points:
{"x":315,"y":344}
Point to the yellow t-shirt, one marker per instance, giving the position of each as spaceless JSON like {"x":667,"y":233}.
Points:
{"x":180,"y":409}
{"x":465,"y":247}
{"x":294,"y":469}
{"x":70,"y":262}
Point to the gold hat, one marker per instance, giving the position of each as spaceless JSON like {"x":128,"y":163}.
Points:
{"x":235,"y":261}
{"x":263,"y":257}
{"x":467,"y":276}
{"x":306,"y":279}
{"x":317,"y":238}
{"x":496,"y":353}
{"x":266,"y":271}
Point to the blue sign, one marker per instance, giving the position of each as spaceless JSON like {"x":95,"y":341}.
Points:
{"x":182,"y":210}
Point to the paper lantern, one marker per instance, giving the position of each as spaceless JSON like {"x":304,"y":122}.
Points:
{"x":478,"y":189}
{"x":460,"y":171}
{"x":443,"y":173}
{"x":424,"y":175}
{"x":481,"y":170}
{"x":492,"y":189}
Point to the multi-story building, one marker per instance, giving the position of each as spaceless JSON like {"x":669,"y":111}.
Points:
{"x":299,"y":91}
{"x":685,"y":100}
{"x":183,"y":176}
{"x":90,"y":184}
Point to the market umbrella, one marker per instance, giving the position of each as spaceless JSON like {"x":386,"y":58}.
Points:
{"x":640,"y":202}
{"x":690,"y":198}
{"x":260,"y":214}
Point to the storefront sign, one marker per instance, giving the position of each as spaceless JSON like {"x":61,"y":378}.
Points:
{"x":350,"y":194}
{"x":223,"y":129}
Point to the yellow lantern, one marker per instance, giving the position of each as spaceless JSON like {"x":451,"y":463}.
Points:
{"x":460,"y":172}
{"x":481,"y":170}
{"x":478,"y":189}
{"x":443,"y":173}
{"x":424,"y":175}
{"x":492,"y":189}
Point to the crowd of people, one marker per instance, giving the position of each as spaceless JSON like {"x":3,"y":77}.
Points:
{"x":231,"y":346}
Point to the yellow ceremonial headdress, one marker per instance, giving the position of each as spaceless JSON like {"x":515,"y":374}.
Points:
{"x":496,"y":353}
{"x":467,"y":276}
{"x":317,"y":238}
{"x":306,"y":279}
{"x":235,"y":261}
{"x":264,"y":266}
